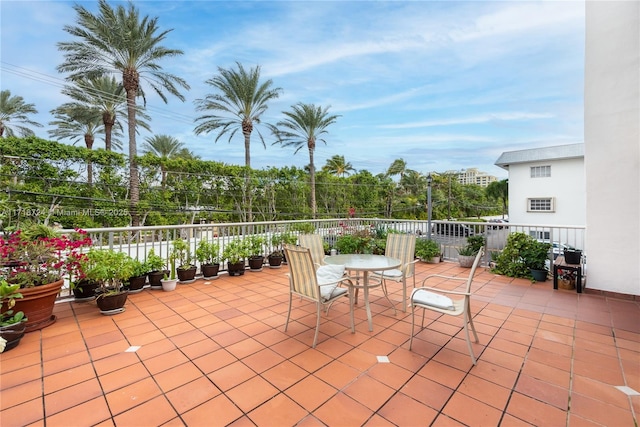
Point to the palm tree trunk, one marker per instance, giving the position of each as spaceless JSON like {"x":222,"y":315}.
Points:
{"x":134,"y":179}
{"x":88,"y":141}
{"x":247,"y":161}
{"x":312,"y":178}
{"x":108,"y":120}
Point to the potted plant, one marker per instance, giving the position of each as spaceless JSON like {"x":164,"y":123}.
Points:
{"x":535,"y":255}
{"x":136,"y":282}
{"x":37,"y":259}
{"x":235,"y":253}
{"x":181,"y":253}
{"x":169,"y":281}
{"x":110,"y":269}
{"x":428,"y":250}
{"x":255,"y":248}
{"x":157,"y":269}
{"x":277,"y":254}
{"x":208,"y":255}
{"x":467,"y":254}
{"x":12,"y":323}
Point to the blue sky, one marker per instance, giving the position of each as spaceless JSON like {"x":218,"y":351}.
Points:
{"x":444,"y":85}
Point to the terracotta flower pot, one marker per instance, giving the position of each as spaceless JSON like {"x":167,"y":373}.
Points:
{"x":37,"y":305}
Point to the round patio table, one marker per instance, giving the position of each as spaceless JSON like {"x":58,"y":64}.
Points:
{"x":365,"y":263}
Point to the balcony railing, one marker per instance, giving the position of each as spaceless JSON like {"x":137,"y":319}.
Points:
{"x":451,"y":235}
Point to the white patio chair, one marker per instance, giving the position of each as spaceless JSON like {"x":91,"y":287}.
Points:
{"x":318,"y":285}
{"x":437,"y":300}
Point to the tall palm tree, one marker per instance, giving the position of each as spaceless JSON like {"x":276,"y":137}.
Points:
{"x":13,"y":110}
{"x":120,"y":41}
{"x":337,"y":166}
{"x":163,"y":146}
{"x":107,"y":95}
{"x":238,"y":103}
{"x":304,"y":126}
{"x":75,"y":122}
{"x":398,"y":167}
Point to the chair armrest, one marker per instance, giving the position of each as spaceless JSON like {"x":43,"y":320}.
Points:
{"x":463,"y":279}
{"x":442,"y":291}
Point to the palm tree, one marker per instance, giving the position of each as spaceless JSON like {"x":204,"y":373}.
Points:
{"x":337,"y":166}
{"x":120,"y":41}
{"x":398,"y":167}
{"x":499,"y":190}
{"x":304,"y":126}
{"x":107,"y":95}
{"x":75,"y":122}
{"x":13,"y":110}
{"x":238,"y":103}
{"x":163,"y":146}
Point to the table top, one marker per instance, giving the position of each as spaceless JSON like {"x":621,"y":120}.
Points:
{"x":364,"y":262}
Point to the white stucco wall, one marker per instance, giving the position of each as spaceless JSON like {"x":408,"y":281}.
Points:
{"x":566,"y":185}
{"x":612,"y":145}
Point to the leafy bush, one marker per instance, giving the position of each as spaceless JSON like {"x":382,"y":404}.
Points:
{"x":521,"y":253}
{"x":427,"y":249}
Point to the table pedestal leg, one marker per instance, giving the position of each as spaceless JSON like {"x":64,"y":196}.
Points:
{"x":365,"y":281}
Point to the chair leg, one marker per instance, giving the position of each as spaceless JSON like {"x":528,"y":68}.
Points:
{"x":286,"y":325}
{"x":466,"y":334}
{"x":404,"y":294}
{"x":413,"y":318}
{"x":386,"y":295}
{"x":473,"y":328}
{"x":315,"y":337}
{"x":353,"y":323}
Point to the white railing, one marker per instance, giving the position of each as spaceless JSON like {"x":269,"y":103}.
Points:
{"x":451,"y":235}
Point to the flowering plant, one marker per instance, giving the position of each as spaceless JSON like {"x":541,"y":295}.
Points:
{"x":38,"y":255}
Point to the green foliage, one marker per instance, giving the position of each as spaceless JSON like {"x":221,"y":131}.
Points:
{"x":357,"y":242}
{"x":109,"y":268}
{"x":304,"y":227}
{"x":235,"y":251}
{"x":427,"y":249}
{"x":8,"y":295}
{"x":208,"y":252}
{"x":181,"y":253}
{"x":255,"y":244}
{"x":154,"y":262}
{"x":519,"y":255}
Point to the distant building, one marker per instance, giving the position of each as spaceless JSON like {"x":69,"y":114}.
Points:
{"x":546,"y":185}
{"x":473,"y":176}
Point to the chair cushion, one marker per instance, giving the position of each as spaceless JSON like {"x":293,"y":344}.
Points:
{"x":329,"y":274}
{"x":331,"y":291}
{"x":431,"y":298}
{"x":390,"y":273}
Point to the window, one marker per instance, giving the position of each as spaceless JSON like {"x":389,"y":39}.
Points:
{"x":540,"y":171}
{"x":540,"y":205}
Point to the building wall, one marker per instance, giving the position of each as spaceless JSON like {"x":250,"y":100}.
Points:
{"x":612,"y":145}
{"x":566,"y":185}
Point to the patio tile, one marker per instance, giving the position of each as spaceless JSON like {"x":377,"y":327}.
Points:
{"x":231,"y":375}
{"x":192,"y":394}
{"x":369,"y":392}
{"x":241,"y":366}
{"x":224,"y":409}
{"x":427,"y":391}
{"x":279,"y":411}
{"x":252,"y":393}
{"x":91,"y":412}
{"x":470,"y":411}
{"x":343,"y":410}
{"x":311,"y":392}
{"x":402,"y":410}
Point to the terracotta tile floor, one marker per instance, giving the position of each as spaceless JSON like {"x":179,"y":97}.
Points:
{"x":215,"y":353}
